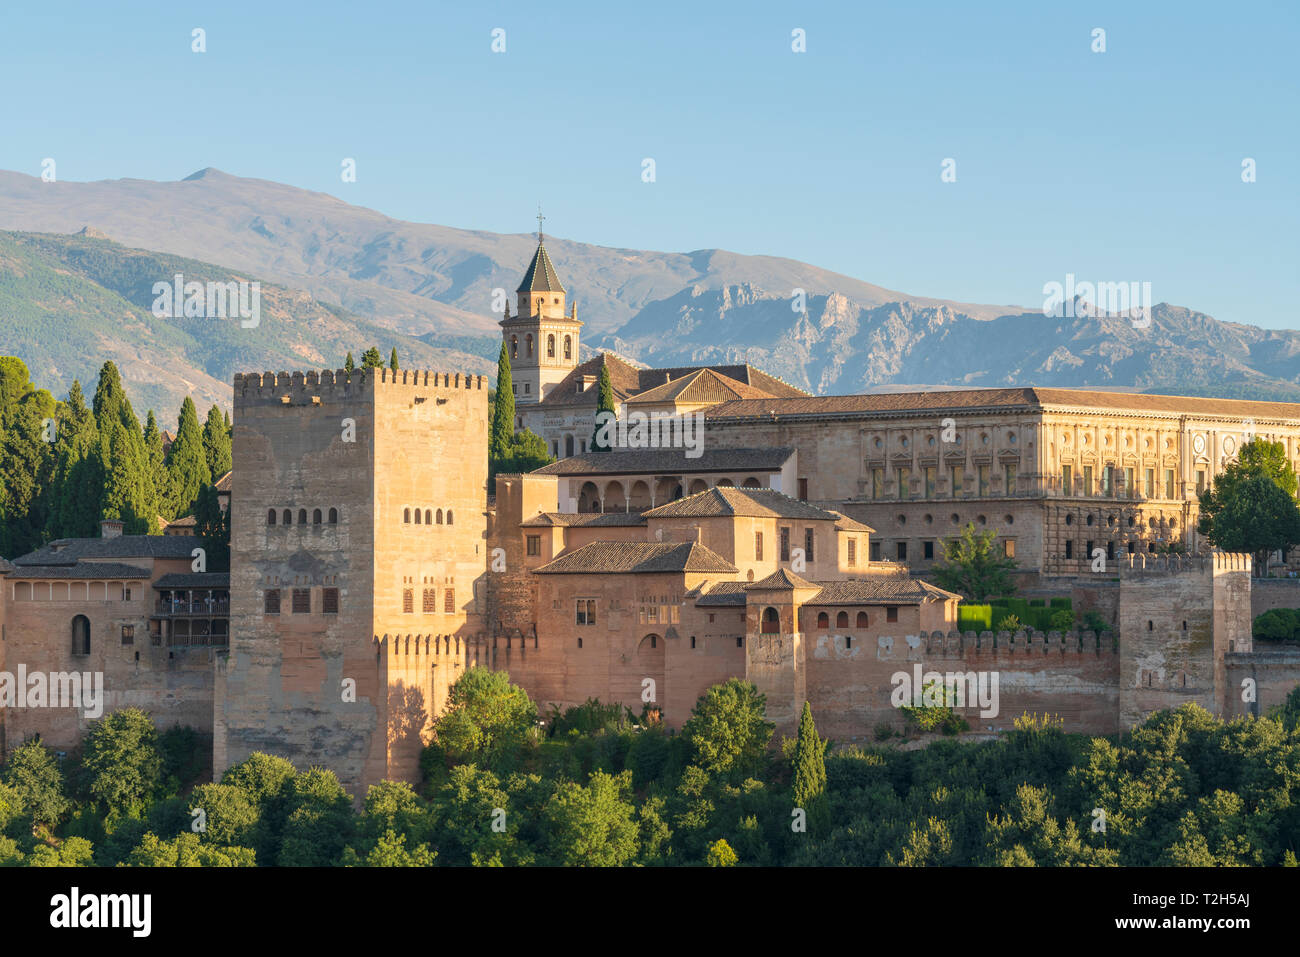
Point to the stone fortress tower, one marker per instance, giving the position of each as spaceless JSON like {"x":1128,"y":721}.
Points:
{"x":541,"y":341}
{"x":358,"y":556}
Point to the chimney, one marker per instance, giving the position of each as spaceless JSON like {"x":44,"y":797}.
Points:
{"x":110,"y":528}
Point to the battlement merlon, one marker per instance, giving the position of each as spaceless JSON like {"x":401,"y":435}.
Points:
{"x":1138,"y":567}
{"x":303,"y":387}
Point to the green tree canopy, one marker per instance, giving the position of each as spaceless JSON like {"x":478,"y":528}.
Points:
{"x":216,"y":444}
{"x":973,"y":566}
{"x":605,"y":407}
{"x":121,"y":766}
{"x":1254,"y":514}
{"x":728,"y":730}
{"x":187,"y":464}
{"x":371,"y":359}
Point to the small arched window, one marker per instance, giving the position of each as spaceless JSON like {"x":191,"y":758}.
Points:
{"x":288,"y":517}
{"x":550,"y":347}
{"x":302,"y":516}
{"x":514,"y":347}
{"x":823,"y":620}
{"x":862,"y":619}
{"x":428,"y":517}
{"x":842,"y":620}
{"x":528,"y":342}
{"x":270,"y":516}
{"x":771,"y":624}
{"x":334,"y":516}
{"x":315,"y":516}
{"x":81,"y":635}
{"x":568,"y":348}
{"x":438,"y":516}
{"x":406,"y":516}
{"x":419,"y":517}
{"x":448,"y":516}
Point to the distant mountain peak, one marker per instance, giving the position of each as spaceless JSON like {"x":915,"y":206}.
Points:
{"x":208,"y":172}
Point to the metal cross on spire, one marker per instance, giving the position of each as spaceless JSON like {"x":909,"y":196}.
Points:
{"x":540,"y":217}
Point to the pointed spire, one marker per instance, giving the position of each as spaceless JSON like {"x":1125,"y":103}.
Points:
{"x":540,"y":276}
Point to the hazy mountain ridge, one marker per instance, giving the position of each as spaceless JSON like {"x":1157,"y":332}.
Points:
{"x":435,"y":283}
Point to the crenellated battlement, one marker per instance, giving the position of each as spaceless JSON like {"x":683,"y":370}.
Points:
{"x":957,"y":644}
{"x":335,"y":385}
{"x":1137,"y":567}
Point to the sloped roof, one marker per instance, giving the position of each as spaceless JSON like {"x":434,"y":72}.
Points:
{"x":80,"y":570}
{"x":879,"y":589}
{"x":186,"y":522}
{"x":846,"y":524}
{"x":748,"y":502}
{"x":780,"y":580}
{"x":585,"y":520}
{"x":743,"y":372}
{"x":5,"y":566}
{"x":223,"y":484}
{"x":194,"y":580}
{"x":1028,"y":399}
{"x":631,"y":558}
{"x":702,"y":385}
{"x":69,"y":551}
{"x":541,"y":276}
{"x":675,"y":461}
{"x":725,"y":594}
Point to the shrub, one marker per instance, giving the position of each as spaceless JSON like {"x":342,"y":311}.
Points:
{"x":1280,"y":624}
{"x":1062,"y":619}
{"x":974,"y":617}
{"x":1010,"y":623}
{"x":1061,"y":603}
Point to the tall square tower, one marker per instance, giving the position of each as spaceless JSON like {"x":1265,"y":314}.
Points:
{"x":357,"y":560}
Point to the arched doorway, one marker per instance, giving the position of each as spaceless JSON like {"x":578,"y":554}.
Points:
{"x":771,"y":624}
{"x":589,"y":498}
{"x":81,"y":635}
{"x":650,"y":673}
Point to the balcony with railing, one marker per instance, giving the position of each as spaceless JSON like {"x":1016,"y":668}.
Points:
{"x":193,"y":604}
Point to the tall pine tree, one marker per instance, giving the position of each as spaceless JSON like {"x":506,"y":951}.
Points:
{"x":392,"y":362}
{"x":187,"y":465}
{"x":604,"y":404}
{"x":77,"y":485}
{"x":216,"y":444}
{"x":349,"y":364}
{"x":131,"y":492}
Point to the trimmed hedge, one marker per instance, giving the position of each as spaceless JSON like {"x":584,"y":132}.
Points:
{"x":974,"y":617}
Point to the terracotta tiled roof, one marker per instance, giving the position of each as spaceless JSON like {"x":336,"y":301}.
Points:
{"x":779,"y":580}
{"x":626,"y":380}
{"x":672,"y":461}
{"x":744,"y":373}
{"x":724,"y":594}
{"x":846,"y":524}
{"x":186,"y":522}
{"x":881,"y":589}
{"x":585,"y":520}
{"x":80,"y":570}
{"x":633,"y":558}
{"x":1018,"y":399}
{"x":223,"y":484}
{"x":194,"y":580}
{"x":748,"y":502}
{"x":5,"y":566}
{"x":702,"y":385}
{"x":69,"y":551}
{"x":540,"y":276}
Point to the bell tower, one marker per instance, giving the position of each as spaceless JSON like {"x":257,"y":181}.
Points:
{"x":541,"y":341}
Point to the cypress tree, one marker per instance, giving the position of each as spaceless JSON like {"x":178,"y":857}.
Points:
{"x":604,"y":403}
{"x":187,"y":466}
{"x":809,"y":762}
{"x":26,"y":458}
{"x":131,"y":492}
{"x":349,"y":364}
{"x":216,"y":444}
{"x":225,"y":417}
{"x":77,"y":485}
{"x":503,"y":417}
{"x":212,"y":527}
{"x":371,"y":359}
{"x":392,"y":361}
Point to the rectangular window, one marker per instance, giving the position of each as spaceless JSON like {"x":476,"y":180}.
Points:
{"x":877,"y":483}
{"x":302,"y":601}
{"x":957,"y":475}
{"x":873,"y":549}
{"x":1087,"y":480}
{"x":429,"y":601}
{"x":1169,"y":483}
{"x":1009,"y":548}
{"x":1108,"y":480}
{"x":891,"y":613}
{"x":128,"y":595}
{"x":1069,"y":549}
{"x":902,"y":551}
{"x":785,"y":545}
{"x":927,"y":550}
{"x":853,"y":552}
{"x":1200,"y":480}
{"x":585,"y":611}
{"x":1067,"y":480}
{"x":330,"y":601}
{"x":984,"y":480}
{"x":1087,"y":548}
{"x":803,"y":490}
{"x":808,"y":544}
{"x":931,"y":476}
{"x":534,"y":544}
{"x":1130,"y":483}
{"x":271,"y":602}
{"x":758,"y":546}
{"x":449,"y":601}
{"x":128,"y":634}
{"x":1110,"y":551}
{"x":904,"y":480}
{"x":1149,"y":483}
{"x":1009,"y":478}
{"x":408,"y":601}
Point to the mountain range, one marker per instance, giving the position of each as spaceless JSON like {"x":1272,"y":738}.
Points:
{"x":344,"y":277}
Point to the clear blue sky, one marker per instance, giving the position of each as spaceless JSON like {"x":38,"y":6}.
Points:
{"x":1116,"y":166}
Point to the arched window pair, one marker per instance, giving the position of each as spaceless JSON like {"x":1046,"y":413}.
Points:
{"x":316,"y":516}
